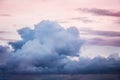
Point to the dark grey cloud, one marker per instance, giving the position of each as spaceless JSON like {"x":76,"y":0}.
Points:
{"x":64,"y":77}
{"x":82,"y":66}
{"x":95,"y":65}
{"x":101,"y":12}
{"x":83,"y":19}
{"x":48,"y":49}
{"x":4,"y":50}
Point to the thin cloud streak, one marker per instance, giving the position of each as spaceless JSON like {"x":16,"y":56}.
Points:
{"x":8,"y":40}
{"x":83,"y":19}
{"x":103,"y":38}
{"x":5,"y":15}
{"x":3,"y":32}
{"x":103,"y":42}
{"x":100,"y":12}
{"x":101,"y":33}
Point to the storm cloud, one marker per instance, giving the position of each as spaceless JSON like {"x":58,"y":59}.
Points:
{"x":49,"y":48}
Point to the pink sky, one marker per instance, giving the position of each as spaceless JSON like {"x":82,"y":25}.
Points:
{"x":90,"y":16}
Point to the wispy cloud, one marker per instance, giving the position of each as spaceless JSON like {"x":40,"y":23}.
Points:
{"x":117,"y":21}
{"x":3,"y":32}
{"x":104,"y":42}
{"x":100,"y":12}
{"x":102,"y":33}
{"x":6,"y":39}
{"x":5,"y":15}
{"x":83,"y":19}
{"x":103,"y":38}
{"x":62,"y":21}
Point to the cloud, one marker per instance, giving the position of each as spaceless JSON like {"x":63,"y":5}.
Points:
{"x":83,"y":19}
{"x":45,"y":47}
{"x":62,"y":21}
{"x":26,"y":35}
{"x":117,"y":21}
{"x":101,"y":12}
{"x":113,"y":37}
{"x":49,"y":48}
{"x":4,"y":32}
{"x":4,"y":51}
{"x":102,"y":33}
{"x":4,"y":39}
{"x":95,"y":65}
{"x":5,"y":15}
{"x":104,"y":42}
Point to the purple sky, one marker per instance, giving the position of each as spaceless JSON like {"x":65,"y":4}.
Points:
{"x":97,"y":20}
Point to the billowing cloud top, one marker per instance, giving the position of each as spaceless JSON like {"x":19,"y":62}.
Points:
{"x":46,"y":47}
{"x":49,"y":48}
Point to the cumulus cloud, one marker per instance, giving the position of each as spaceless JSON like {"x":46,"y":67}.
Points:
{"x":26,"y":35}
{"x":49,"y":48}
{"x":44,"y":48}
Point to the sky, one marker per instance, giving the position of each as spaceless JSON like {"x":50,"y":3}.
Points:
{"x":97,"y":21}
